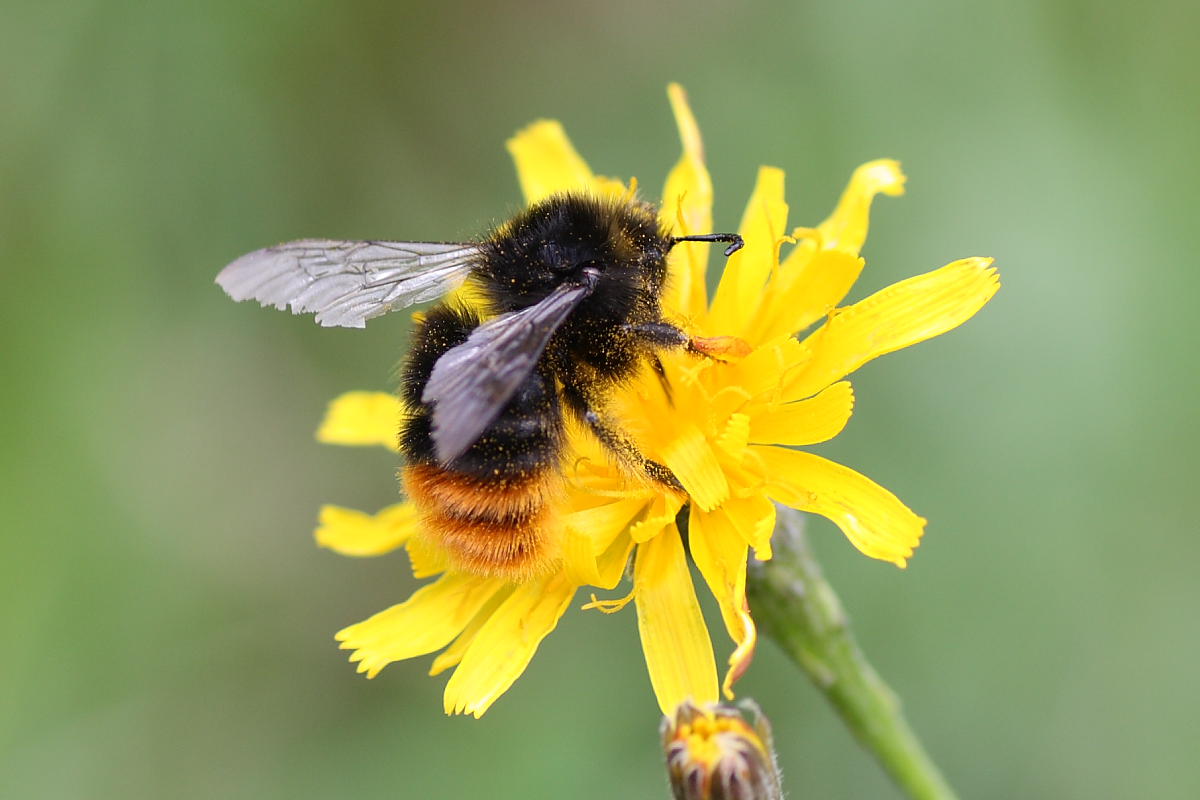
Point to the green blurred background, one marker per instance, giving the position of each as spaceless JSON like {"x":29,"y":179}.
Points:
{"x":167,"y":619}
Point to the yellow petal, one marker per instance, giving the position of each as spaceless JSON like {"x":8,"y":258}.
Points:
{"x":735,"y":435}
{"x":727,"y":402}
{"x":846,"y":228}
{"x":353,"y":533}
{"x":467,"y":295}
{"x":753,"y":517}
{"x":505,"y":644}
{"x":546,"y":161}
{"x":614,"y":187}
{"x":604,"y":570}
{"x":425,"y":622}
{"x":590,"y":533}
{"x":810,"y":421}
{"x":873,"y":519}
{"x":675,"y":640}
{"x":659,"y":514}
{"x":600,"y":525}
{"x":819,"y":272}
{"x":693,"y":461}
{"x":687,"y":210}
{"x":807,"y":286}
{"x":901,"y":315}
{"x":362,"y":418}
{"x":720,"y":555}
{"x":579,"y":562}
{"x":761,"y":372}
{"x":427,"y":557}
{"x":453,"y":654}
{"x":764,"y":226}
{"x":612,"y":562}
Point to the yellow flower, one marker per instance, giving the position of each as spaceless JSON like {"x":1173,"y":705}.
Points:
{"x":727,"y":432}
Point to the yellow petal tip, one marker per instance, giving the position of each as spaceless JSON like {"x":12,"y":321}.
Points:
{"x":685,"y":120}
{"x":362,"y":418}
{"x":538,"y":131}
{"x":354,"y":533}
{"x":883,"y":175}
{"x":547,"y":163}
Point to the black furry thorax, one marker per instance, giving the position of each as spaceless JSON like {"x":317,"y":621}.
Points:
{"x":552,"y":242}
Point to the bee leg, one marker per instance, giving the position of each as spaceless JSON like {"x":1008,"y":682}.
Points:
{"x":617,"y":443}
{"x":627,"y":451}
{"x":660,"y":334}
{"x":661,"y":371}
{"x":718,"y":348}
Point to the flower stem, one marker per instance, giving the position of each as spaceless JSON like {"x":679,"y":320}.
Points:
{"x":796,"y":607}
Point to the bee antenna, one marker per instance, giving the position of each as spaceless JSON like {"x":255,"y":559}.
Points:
{"x":735,"y":241}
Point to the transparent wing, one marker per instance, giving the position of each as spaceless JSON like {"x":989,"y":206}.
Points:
{"x":347,"y":283}
{"x":471,"y":383}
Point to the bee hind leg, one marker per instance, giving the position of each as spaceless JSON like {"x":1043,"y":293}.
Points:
{"x":614,"y":441}
{"x":625,"y":450}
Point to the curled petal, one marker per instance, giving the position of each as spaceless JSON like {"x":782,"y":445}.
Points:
{"x":505,"y":644}
{"x":846,"y":227}
{"x":593,"y":535}
{"x":362,"y":418}
{"x":601,"y":524}
{"x":611,"y":564}
{"x":873,"y":519}
{"x":818,"y":273}
{"x":903,"y":314}
{"x":753,"y":517}
{"x":659,"y":514}
{"x":427,"y":621}
{"x":720,"y":555}
{"x":675,"y":640}
{"x":353,"y":533}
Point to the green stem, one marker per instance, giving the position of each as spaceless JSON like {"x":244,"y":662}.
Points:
{"x":795,"y":606}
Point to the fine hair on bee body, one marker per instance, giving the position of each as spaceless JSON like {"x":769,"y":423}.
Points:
{"x":571,"y":307}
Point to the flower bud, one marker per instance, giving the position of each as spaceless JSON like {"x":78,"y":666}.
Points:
{"x":714,"y":753}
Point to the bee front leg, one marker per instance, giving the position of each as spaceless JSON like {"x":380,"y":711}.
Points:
{"x":627,"y":451}
{"x":666,"y":335}
{"x":659,"y":334}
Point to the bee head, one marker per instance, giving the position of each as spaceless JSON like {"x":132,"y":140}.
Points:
{"x":616,"y":243}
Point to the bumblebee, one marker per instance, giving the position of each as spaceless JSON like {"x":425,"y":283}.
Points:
{"x":571,"y":290}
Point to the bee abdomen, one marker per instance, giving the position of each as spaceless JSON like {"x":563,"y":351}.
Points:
{"x":507,"y":531}
{"x":490,"y":509}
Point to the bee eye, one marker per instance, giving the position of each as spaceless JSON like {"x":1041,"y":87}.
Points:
{"x":553,"y":257}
